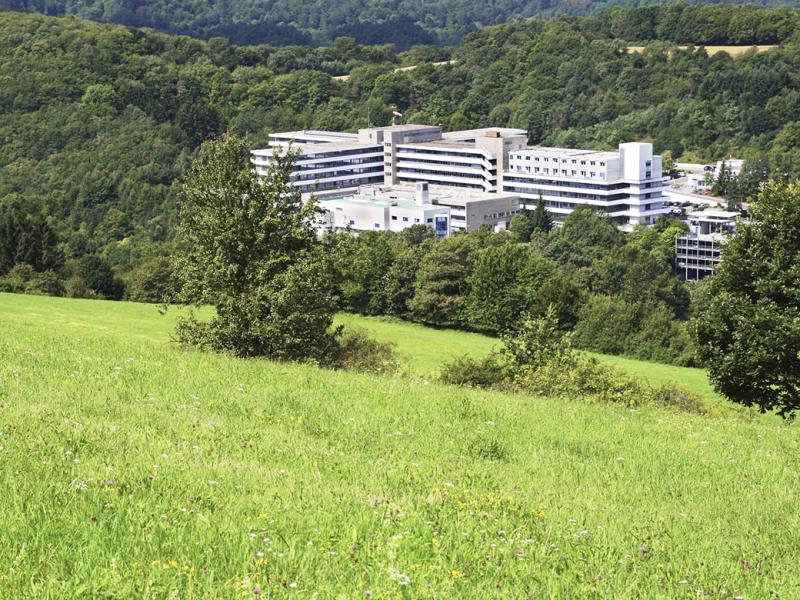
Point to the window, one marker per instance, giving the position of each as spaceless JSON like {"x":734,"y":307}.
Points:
{"x":377,"y":225}
{"x":351,"y":222}
{"x":416,"y":220}
{"x":429,"y":220}
{"x":405,"y":219}
{"x":394,"y":217}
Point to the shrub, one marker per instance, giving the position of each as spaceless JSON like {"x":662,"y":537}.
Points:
{"x":483,"y":372}
{"x":591,"y":380}
{"x":48,"y":283}
{"x":359,"y":352}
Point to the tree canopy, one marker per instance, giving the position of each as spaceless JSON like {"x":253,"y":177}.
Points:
{"x":748,"y":332}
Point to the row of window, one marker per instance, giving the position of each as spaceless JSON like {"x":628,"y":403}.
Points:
{"x":299,"y":167}
{"x":565,"y":161}
{"x":323,"y":176}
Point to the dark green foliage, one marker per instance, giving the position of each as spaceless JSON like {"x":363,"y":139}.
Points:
{"x":441,"y":282}
{"x":153,"y":281}
{"x":99,"y":278}
{"x":614,"y":325}
{"x":406,"y":24}
{"x":541,"y":220}
{"x":507,"y":281}
{"x":27,"y":238}
{"x":748,"y":331}
{"x":586,"y":236}
{"x":359,"y":352}
{"x":526,"y":222}
{"x":465,"y":370}
{"x":248,"y":248}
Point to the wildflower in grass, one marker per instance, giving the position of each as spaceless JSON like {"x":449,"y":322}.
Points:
{"x":456,"y":574}
{"x":367,"y":593}
{"x":400,"y":578}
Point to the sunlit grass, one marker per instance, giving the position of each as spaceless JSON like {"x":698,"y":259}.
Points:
{"x":130,"y":468}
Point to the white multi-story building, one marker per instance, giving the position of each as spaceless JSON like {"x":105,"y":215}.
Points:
{"x":627,"y":185}
{"x":395,"y":154}
{"x":698,"y":252}
{"x":376,"y":209}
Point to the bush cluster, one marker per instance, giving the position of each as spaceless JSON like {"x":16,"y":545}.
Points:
{"x":538,"y":359}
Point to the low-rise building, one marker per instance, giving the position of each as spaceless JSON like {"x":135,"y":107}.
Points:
{"x":698,"y":252}
{"x":373,"y":209}
{"x":470,"y":209}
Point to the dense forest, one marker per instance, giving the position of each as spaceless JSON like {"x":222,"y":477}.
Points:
{"x":403,"y":23}
{"x":99,"y":122}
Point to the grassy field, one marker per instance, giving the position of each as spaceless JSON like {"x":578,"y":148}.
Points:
{"x":132,"y":468}
{"x":421,"y":350}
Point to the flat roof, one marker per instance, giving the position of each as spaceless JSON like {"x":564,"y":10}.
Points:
{"x":435,"y":192}
{"x":305,"y":149}
{"x":571,"y":152}
{"x":406,"y":127}
{"x":334,"y":135}
{"x":482,"y":131}
{"x":714,"y":214}
{"x":378,"y":201}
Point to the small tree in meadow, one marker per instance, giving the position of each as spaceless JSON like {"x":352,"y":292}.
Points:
{"x":248,"y":247}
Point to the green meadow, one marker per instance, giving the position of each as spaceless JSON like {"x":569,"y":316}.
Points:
{"x":132,"y":468}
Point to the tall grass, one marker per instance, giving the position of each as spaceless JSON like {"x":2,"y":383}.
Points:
{"x":132,"y":468}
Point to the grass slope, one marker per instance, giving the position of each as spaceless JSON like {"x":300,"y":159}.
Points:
{"x":132,"y":468}
{"x":421,"y":350}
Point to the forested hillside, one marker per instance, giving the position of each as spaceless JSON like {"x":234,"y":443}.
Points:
{"x":98,"y":121}
{"x":401,"y":22}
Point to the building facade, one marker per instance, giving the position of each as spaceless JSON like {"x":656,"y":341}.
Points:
{"x":626,"y":185}
{"x":698,"y":252}
{"x":375,"y":209}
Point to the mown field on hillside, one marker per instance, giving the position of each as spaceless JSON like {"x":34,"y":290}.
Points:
{"x":133,"y":468}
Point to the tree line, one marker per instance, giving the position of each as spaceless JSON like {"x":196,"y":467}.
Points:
{"x":617,"y":293}
{"x":99,"y":122}
{"x":405,"y":24}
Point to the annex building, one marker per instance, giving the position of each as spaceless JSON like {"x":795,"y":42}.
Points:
{"x":488,"y":171}
{"x":698,"y":252}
